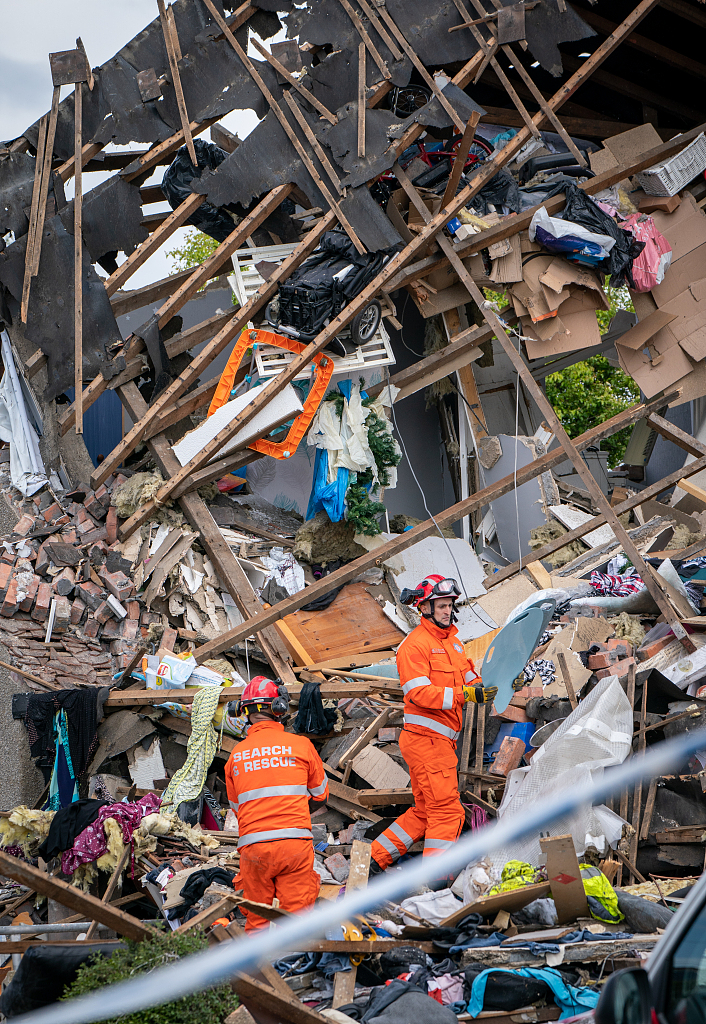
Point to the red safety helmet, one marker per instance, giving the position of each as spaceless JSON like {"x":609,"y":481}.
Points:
{"x":431,"y":589}
{"x":264,"y":695}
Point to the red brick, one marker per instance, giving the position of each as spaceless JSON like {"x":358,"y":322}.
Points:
{"x":30,"y":594}
{"x":147,"y":618}
{"x":511,"y":714}
{"x":95,"y":535}
{"x":77,"y":610}
{"x":603,"y":659}
{"x":133,"y":609}
{"x":5,"y":574}
{"x":23,"y":526}
{"x":82,"y":516}
{"x":619,"y":669}
{"x":93,"y":506}
{"x":42,"y":602}
{"x":120,"y":479}
{"x":119,"y":585}
{"x":84,"y":528}
{"x":42,"y":563}
{"x":645,"y":652}
{"x":389,"y":734}
{"x":169,"y":638}
{"x":64,"y":581}
{"x":9,"y":605}
{"x":103,"y":495}
{"x":338,"y":866}
{"x":90,"y":593}
{"x":509,"y":755}
{"x":52,"y":512}
{"x":69,"y":536}
{"x":111,"y":629}
{"x":92,"y":626}
{"x":7,"y":557}
{"x":103,"y":612}
{"x":61,"y":520}
{"x":111,"y":524}
{"x":62,"y":615}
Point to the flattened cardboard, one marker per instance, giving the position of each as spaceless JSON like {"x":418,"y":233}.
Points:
{"x":685,"y":229}
{"x":579,"y":330}
{"x":655,"y":377}
{"x":689,"y":326}
{"x":630,"y":145}
{"x":641,"y":333}
{"x":681,"y":273}
{"x":508,"y":269}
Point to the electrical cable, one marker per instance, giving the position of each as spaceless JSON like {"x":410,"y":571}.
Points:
{"x":475,"y":610}
{"x":219,"y":963}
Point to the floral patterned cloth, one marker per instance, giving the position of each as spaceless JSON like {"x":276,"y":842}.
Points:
{"x":92,"y":843}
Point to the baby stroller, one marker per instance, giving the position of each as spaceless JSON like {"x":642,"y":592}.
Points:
{"x":320,"y":288}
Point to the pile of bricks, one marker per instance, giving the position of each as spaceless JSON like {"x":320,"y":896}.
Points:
{"x":612,"y":658}
{"x":64,"y":553}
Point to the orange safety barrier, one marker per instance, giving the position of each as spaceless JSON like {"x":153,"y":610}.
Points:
{"x":324,"y":370}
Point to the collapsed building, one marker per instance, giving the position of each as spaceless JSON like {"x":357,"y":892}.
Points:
{"x":239,"y":468}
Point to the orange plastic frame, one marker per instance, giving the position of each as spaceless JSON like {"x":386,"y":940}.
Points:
{"x":324,"y":370}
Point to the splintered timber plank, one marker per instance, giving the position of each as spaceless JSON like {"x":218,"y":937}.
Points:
{"x":229,"y":570}
{"x":372,"y":49}
{"x":279,"y":114}
{"x":143,"y":252}
{"x":34,"y":244}
{"x":521,"y":221}
{"x":295,"y":83}
{"x":78,"y":258}
{"x":209,"y":352}
{"x":198,"y":276}
{"x":169,"y":40}
{"x":420,"y":241}
{"x":32,"y":229}
{"x":89,"y":907}
{"x":653,"y":583}
{"x":625,"y":506}
{"x":344,"y":981}
{"x":422,"y":530}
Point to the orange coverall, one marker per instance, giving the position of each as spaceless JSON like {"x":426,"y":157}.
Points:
{"x":433,"y":668}
{"x":270,"y":776}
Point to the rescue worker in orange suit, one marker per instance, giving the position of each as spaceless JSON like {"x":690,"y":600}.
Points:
{"x":270,"y":777}
{"x":437,"y":680}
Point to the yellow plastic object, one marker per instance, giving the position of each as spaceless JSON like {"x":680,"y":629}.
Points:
{"x":352,"y":932}
{"x":324,"y":370}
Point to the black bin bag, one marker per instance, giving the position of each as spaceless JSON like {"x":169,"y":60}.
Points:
{"x":581,"y":209}
{"x":44,"y":973}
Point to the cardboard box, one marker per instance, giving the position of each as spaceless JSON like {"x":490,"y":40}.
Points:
{"x":630,"y":145}
{"x":656,"y":366}
{"x":574,"y":331}
{"x":681,"y":273}
{"x":685,"y":229}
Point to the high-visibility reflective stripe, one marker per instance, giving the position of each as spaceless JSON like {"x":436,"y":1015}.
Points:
{"x":233,"y":804}
{"x":268,"y":791}
{"x":448,"y":701}
{"x":413,"y":684}
{"x":388,"y":845}
{"x":276,"y":833}
{"x":319,"y":790}
{"x":401,"y":834}
{"x":431,"y":723}
{"x":470,"y":676}
{"x":438,"y":844}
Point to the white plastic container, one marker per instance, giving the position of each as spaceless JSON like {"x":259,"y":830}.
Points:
{"x":674,"y":174}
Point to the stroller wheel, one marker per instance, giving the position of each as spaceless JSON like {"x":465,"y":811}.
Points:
{"x":366,"y":323}
{"x":272,"y":311}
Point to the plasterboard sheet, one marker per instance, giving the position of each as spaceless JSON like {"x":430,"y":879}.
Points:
{"x":433,"y":556}
{"x":527,"y":507}
{"x":573,"y":517}
{"x":503,"y":599}
{"x":279,"y":409}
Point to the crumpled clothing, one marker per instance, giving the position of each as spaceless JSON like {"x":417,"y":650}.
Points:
{"x":187,"y":783}
{"x":547,"y":672}
{"x":479,"y":942}
{"x":515,"y":875}
{"x":312,"y":716}
{"x":196,"y":885}
{"x":92,"y":843}
{"x":569,"y":999}
{"x":447,"y":989}
{"x":67,"y":824}
{"x":296,"y":963}
{"x":617,"y":586}
{"x":332,"y":963}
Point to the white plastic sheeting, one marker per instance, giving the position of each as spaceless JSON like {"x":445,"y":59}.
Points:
{"x":346,"y":437}
{"x":26,"y":466}
{"x":598,"y":733}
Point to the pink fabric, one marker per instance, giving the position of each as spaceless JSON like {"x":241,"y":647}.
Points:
{"x":92,"y":843}
{"x":649,"y":267}
{"x":446,"y":990}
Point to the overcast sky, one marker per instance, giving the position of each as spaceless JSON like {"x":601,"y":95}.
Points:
{"x":31,"y":29}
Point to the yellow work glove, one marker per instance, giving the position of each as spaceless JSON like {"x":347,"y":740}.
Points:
{"x":519,"y":682}
{"x":479,"y":694}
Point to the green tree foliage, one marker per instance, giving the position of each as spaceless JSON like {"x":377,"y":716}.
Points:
{"x":590,"y":392}
{"x":197,"y":247}
{"x":209,"y":1007}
